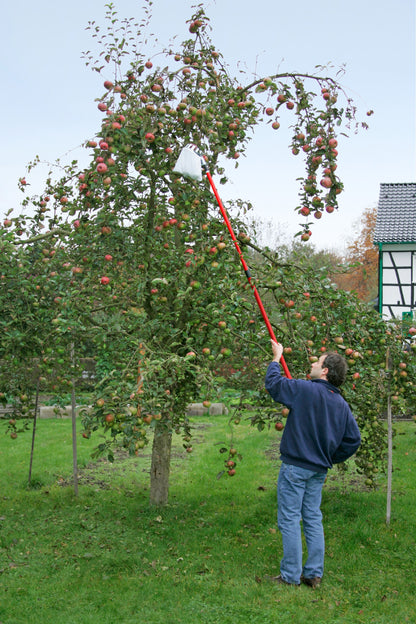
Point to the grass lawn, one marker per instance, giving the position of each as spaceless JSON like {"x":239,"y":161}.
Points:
{"x":108,"y":557}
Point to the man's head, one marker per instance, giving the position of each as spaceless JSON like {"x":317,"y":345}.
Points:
{"x":330,"y":366}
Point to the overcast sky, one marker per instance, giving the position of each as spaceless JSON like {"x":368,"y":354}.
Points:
{"x":47,"y":105}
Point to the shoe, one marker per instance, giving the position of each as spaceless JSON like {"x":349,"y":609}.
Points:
{"x":279,"y":579}
{"x":311,"y":582}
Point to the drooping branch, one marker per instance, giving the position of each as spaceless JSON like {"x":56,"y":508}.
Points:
{"x":292,"y":76}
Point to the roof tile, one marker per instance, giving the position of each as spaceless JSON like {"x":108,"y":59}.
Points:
{"x":396,"y":213}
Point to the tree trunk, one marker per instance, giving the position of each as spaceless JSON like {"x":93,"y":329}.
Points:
{"x":389,"y":459}
{"x":35,"y":417}
{"x":159,"y":472}
{"x":389,"y":441}
{"x":74,"y":429}
{"x":74,"y":440}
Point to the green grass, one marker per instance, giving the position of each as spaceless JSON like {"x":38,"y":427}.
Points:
{"x":107,"y":557}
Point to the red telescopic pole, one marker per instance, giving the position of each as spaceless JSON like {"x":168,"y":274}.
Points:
{"x":247,"y":271}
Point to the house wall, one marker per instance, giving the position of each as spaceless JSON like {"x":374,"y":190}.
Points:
{"x":397,"y":279}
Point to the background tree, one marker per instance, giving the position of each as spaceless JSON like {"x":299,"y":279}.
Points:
{"x":362,"y":259}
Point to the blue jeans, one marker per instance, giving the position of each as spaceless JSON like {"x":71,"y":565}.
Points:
{"x":299,"y":497}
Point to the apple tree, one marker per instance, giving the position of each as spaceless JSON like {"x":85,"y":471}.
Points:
{"x":134,"y":261}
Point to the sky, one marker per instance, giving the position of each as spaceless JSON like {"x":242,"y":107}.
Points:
{"x":48,"y":103}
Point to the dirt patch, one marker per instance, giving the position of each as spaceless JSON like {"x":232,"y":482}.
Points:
{"x":99,"y":473}
{"x":273,"y":452}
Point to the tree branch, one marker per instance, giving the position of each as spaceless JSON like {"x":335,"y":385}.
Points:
{"x":38,"y":237}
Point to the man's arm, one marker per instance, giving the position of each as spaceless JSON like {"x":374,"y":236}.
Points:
{"x":279,"y":387}
{"x":277,"y":350}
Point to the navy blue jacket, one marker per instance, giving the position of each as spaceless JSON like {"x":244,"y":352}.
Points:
{"x":320,"y":429}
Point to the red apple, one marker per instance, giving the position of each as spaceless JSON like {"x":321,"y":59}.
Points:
{"x":326,"y":182}
{"x":195,"y":25}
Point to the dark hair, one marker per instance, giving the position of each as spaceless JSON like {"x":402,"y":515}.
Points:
{"x":337,"y":368}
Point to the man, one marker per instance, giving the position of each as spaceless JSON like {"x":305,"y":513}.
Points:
{"x":320,"y":431}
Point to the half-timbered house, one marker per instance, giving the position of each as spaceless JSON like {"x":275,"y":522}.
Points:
{"x":395,"y":236}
